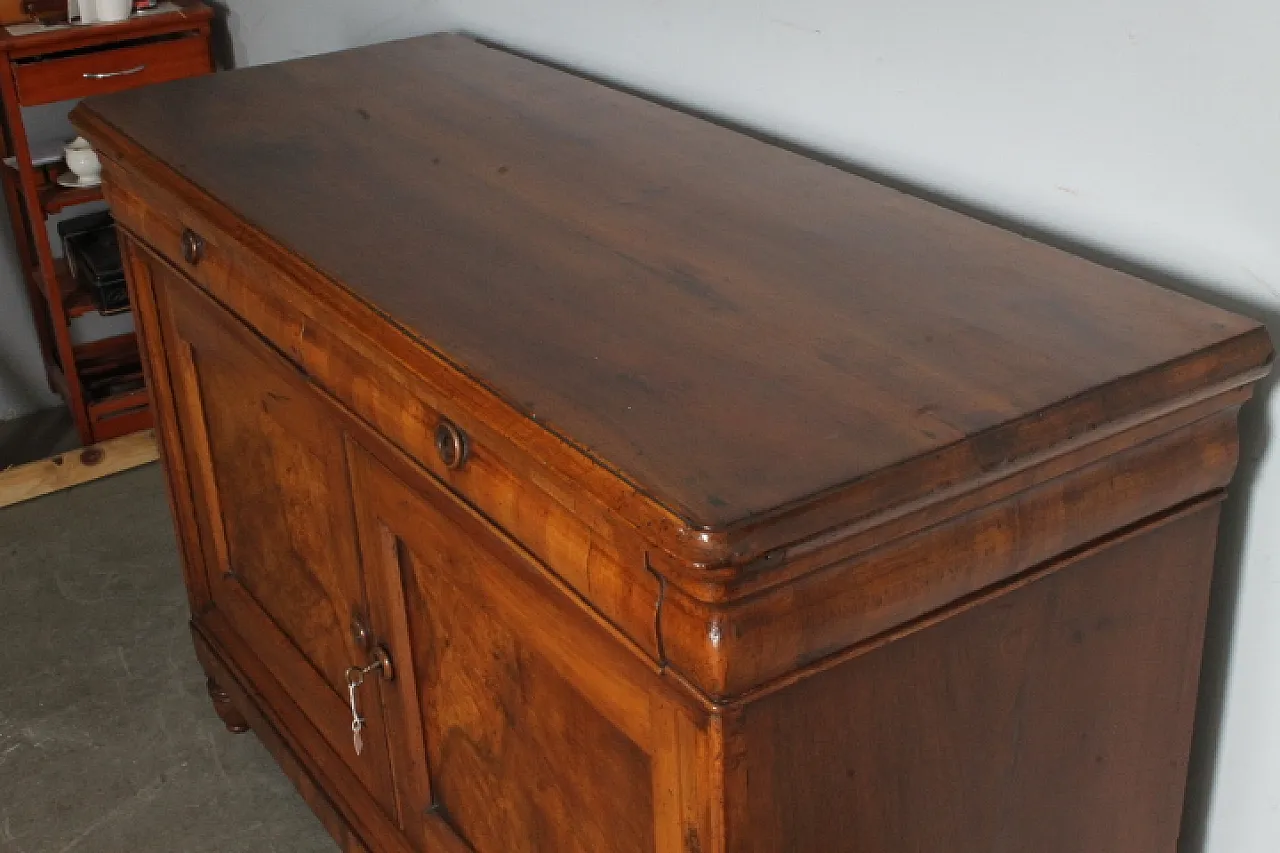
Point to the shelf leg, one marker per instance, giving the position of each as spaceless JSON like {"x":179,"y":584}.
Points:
{"x":29,"y":203}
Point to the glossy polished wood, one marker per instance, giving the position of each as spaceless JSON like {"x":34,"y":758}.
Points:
{"x":704,"y":498}
{"x":982,"y":731}
{"x":874,"y":317}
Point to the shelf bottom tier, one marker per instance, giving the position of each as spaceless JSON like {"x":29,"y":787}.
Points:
{"x":113,"y":390}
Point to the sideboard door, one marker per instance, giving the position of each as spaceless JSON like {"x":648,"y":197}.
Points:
{"x":275,"y":517}
{"x":522,"y":724}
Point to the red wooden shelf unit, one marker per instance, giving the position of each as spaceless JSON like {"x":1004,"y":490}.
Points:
{"x":100,"y":381}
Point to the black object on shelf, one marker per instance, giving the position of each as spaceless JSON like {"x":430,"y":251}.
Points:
{"x":93,"y":256}
{"x":99,"y":388}
{"x":78,"y":225}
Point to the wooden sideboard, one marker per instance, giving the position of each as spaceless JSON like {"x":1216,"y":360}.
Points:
{"x":661,"y":491}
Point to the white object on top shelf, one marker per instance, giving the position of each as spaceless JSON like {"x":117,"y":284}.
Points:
{"x":111,"y":11}
{"x":88,"y":16}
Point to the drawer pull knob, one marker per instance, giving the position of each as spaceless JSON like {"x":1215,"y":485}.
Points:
{"x":451,"y":444}
{"x":192,"y":247}
{"x":107,"y":75}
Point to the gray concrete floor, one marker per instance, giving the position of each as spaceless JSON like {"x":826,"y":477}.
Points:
{"x":107,"y":739}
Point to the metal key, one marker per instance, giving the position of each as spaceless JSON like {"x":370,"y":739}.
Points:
{"x":355,"y":678}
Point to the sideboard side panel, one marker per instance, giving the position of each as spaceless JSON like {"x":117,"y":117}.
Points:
{"x":1056,"y":717}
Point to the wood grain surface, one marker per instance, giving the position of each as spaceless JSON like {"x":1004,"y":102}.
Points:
{"x":36,"y":479}
{"x":795,"y":514}
{"x":732,"y":328}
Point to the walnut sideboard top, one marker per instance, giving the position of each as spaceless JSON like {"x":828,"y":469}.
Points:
{"x":815,"y":457}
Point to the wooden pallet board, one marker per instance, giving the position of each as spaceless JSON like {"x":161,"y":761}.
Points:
{"x":36,"y":479}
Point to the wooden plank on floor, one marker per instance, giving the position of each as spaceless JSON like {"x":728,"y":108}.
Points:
{"x":25,"y":482}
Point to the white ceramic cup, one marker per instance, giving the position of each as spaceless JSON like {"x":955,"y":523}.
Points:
{"x":83,"y":160}
{"x":110,"y":11}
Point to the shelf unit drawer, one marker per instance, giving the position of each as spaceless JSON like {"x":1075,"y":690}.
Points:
{"x":99,"y":72}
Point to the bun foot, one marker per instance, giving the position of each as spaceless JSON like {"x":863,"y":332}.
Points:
{"x":231,"y":718}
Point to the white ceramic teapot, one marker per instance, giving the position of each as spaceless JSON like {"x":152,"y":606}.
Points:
{"x":84,"y":162}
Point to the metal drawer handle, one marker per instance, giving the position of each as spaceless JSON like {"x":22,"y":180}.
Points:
{"x":107,"y":75}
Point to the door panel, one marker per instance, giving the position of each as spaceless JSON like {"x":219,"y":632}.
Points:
{"x":541,"y":731}
{"x":275,"y":516}
{"x":524,"y":759}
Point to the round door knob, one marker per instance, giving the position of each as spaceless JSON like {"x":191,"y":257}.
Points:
{"x":451,"y":444}
{"x":192,"y":247}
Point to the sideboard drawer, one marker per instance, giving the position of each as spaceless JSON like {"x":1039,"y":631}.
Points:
{"x":47,"y":81}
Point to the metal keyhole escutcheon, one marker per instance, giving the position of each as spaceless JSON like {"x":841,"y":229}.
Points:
{"x":192,"y":247}
{"x":451,"y":444}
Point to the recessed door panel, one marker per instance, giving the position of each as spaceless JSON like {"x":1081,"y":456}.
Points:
{"x":542,"y":732}
{"x":275,"y":516}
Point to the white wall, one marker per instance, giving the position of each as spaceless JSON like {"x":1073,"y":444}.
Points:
{"x":273,"y":30}
{"x":23,"y":388}
{"x":1148,"y":130}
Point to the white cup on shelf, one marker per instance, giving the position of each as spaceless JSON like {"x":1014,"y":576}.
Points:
{"x":111,"y":11}
{"x":83,"y":161}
